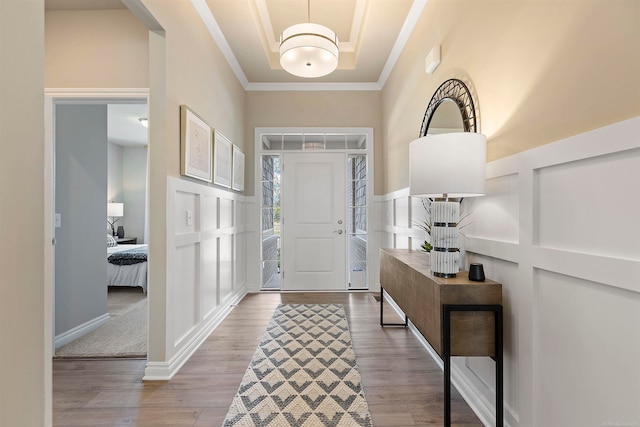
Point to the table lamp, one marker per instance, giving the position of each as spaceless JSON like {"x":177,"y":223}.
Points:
{"x":446,"y":168}
{"x":115,"y":211}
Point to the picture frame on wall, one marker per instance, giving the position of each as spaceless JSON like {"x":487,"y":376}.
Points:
{"x":238,"y":169}
{"x":195,"y":146}
{"x":222,"y":160}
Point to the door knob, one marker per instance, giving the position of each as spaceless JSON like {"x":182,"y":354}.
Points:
{"x":339,"y":221}
{"x":338,"y":231}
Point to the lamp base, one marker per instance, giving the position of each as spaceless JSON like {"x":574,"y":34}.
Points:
{"x":445,"y":255}
{"x":444,"y":275}
{"x":444,"y":264}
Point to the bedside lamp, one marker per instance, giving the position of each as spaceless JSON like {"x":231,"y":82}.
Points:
{"x":115,"y":211}
{"x":446,"y":168}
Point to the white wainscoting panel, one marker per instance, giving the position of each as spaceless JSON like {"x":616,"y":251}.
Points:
{"x":210,"y":220}
{"x":587,"y":350}
{"x":401,"y":212}
{"x":206,"y":267}
{"x":209,"y":284}
{"x":240,"y":262}
{"x":226,"y":212}
{"x":559,"y":229}
{"x":495,"y":216}
{"x":185,"y":294}
{"x":582,"y":205}
{"x":387,"y":212}
{"x":225,"y":262}
{"x":417,"y":215}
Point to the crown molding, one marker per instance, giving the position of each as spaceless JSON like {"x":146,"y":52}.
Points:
{"x":403,"y":37}
{"x":216,"y":33}
{"x":311,"y":87}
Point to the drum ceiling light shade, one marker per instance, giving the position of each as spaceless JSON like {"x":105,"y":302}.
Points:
{"x":448,"y":165}
{"x":309,"y":50}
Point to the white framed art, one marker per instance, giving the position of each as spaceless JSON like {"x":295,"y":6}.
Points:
{"x":238,"y":169}
{"x":195,"y":146}
{"x":222,"y":160}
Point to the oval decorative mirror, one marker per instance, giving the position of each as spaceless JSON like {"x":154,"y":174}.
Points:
{"x":451,"y":109}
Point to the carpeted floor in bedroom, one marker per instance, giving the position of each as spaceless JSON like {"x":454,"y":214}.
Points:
{"x":124,"y":336}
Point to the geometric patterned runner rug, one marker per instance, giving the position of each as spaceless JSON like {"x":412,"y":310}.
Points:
{"x":303,"y":374}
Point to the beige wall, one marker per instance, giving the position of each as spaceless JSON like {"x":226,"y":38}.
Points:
{"x":95,"y":49}
{"x":541,"y":71}
{"x":313,"y":109}
{"x":196,"y":75}
{"x":25,"y":287}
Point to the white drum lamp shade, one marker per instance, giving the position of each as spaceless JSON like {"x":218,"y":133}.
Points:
{"x":309,"y":50}
{"x":448,"y":165}
{"x":115,"y":209}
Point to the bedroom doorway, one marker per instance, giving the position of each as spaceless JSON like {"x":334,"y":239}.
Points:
{"x":85,"y":143}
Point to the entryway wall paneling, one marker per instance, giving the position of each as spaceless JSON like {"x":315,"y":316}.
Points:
{"x":558,"y":228}
{"x":206,"y":259}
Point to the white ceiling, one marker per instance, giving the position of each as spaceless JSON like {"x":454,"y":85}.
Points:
{"x":123,"y":126}
{"x":371,"y":35}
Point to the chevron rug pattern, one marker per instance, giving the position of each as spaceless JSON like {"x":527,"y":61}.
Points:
{"x":303,"y":374}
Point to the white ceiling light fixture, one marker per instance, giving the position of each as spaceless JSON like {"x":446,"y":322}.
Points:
{"x":309,"y":50}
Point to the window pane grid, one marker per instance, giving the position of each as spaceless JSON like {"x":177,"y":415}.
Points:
{"x":270,"y":218}
{"x":357,"y":211}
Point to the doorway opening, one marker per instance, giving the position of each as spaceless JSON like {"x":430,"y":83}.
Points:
{"x":106,"y":163}
{"x":316,"y":190}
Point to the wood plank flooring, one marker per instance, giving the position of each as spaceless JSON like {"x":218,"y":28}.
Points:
{"x":402,"y":384}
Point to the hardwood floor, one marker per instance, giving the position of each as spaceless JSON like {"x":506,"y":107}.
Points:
{"x":402,"y":384}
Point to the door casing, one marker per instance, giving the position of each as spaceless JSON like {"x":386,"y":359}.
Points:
{"x":373,"y":217}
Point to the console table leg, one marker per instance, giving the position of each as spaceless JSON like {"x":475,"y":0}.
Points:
{"x":406,"y":319}
{"x":446,"y":356}
{"x":499,"y":365}
{"x":381,"y":304}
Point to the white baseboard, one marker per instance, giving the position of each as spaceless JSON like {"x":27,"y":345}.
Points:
{"x":80,"y":330}
{"x":164,"y":371}
{"x":483,"y":409}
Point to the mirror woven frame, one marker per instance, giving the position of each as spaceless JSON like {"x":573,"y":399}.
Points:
{"x":458,"y":92}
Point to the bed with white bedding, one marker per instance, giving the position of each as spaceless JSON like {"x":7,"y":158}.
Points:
{"x":130,"y":274}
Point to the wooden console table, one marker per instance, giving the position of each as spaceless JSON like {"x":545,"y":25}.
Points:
{"x":457,"y":317}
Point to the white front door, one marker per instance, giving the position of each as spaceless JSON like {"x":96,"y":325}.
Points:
{"x":313,"y":226}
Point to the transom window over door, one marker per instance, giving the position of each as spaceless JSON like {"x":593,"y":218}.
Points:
{"x":316,"y":187}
